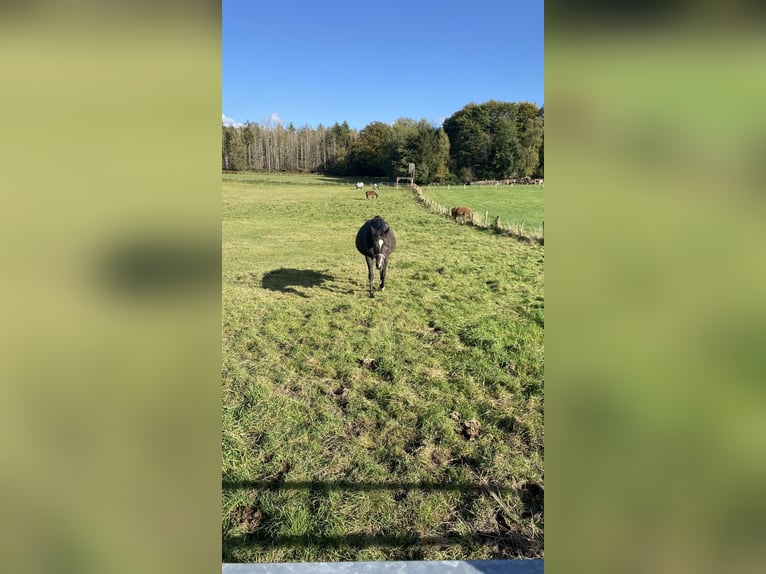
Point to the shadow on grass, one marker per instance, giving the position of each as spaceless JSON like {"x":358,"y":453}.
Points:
{"x":506,"y":540}
{"x":351,"y":486}
{"x":286,"y":280}
{"x":409,"y":546}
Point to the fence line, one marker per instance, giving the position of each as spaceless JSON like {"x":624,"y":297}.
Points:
{"x":512,"y":230}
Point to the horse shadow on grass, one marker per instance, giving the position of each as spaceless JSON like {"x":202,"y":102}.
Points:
{"x":288,"y":280}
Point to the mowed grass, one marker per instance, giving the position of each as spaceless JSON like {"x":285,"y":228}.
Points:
{"x":513,"y":203}
{"x":409,"y":426}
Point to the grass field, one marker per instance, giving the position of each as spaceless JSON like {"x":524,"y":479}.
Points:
{"x":409,"y":426}
{"x":513,"y":203}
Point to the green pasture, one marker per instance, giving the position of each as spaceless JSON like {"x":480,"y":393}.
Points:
{"x":409,"y":426}
{"x":513,"y":203}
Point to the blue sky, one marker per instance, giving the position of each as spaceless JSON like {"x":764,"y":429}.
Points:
{"x":320,"y":62}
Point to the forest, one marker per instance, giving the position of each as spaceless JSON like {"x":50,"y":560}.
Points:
{"x":489,"y":141}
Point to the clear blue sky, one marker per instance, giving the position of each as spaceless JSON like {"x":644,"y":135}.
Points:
{"x":311,"y":62}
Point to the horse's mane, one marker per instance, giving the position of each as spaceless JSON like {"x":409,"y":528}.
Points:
{"x":379,"y":224}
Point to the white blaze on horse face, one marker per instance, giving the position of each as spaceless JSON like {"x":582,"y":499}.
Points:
{"x":380,"y":244}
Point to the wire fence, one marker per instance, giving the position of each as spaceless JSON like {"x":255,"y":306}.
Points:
{"x":516,"y":230}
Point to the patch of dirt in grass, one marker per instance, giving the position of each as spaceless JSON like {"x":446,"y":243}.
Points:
{"x":249,"y":518}
{"x":468,"y":429}
{"x":368,"y":363}
{"x":471,"y":429}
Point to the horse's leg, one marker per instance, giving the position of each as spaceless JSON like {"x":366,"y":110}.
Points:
{"x":383,"y":274}
{"x":371,"y":275}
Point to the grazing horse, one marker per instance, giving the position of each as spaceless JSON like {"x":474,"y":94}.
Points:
{"x":359,"y":185}
{"x":463,"y":212}
{"x":371,"y":193}
{"x":376,"y":241}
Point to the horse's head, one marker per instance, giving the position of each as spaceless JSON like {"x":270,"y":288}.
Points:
{"x":383,"y":241}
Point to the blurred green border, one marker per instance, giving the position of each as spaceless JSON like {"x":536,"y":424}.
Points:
{"x":110,"y":409}
{"x":655,"y":294}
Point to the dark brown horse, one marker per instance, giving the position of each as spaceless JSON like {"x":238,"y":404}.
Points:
{"x":463,"y":212}
{"x":371,"y":193}
{"x":376,"y":241}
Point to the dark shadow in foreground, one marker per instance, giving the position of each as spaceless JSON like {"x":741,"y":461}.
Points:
{"x":409,"y":546}
{"x":507,"y":539}
{"x":352,"y":486}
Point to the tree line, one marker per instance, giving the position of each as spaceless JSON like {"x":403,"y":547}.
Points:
{"x":493,"y":140}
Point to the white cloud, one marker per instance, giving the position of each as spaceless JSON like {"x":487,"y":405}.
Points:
{"x":227,"y":121}
{"x":272,"y":121}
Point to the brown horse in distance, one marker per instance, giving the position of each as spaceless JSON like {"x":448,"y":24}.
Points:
{"x":463,"y":212}
{"x":371,"y":193}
